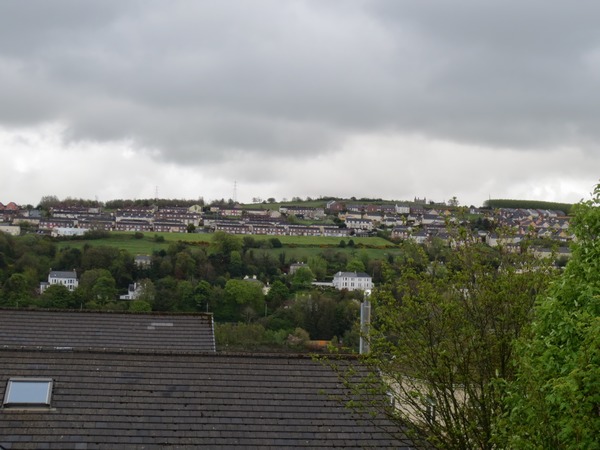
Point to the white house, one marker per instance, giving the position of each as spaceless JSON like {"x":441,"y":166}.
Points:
{"x":133,"y":292}
{"x":13,"y":230}
{"x":66,"y":278}
{"x":352,"y":281}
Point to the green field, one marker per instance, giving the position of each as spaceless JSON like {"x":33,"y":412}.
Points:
{"x":296,"y":247}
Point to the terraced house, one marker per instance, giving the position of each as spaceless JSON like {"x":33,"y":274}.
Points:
{"x":100,"y":380}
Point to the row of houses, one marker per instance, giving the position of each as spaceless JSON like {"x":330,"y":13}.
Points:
{"x":405,"y":222}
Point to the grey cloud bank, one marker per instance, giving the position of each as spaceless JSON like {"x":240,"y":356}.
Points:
{"x":391,"y":99}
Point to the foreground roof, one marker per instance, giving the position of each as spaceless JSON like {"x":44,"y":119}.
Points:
{"x":106,"y":330}
{"x":107,"y":399}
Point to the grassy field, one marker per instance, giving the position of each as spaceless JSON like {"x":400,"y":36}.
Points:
{"x":296,"y":247}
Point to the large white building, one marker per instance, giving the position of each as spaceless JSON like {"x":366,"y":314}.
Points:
{"x":353,"y":281}
{"x":66,"y":278}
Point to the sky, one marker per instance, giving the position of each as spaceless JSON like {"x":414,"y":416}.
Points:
{"x":392,"y":99}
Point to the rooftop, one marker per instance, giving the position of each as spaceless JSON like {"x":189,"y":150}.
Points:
{"x":51,"y":329}
{"x":142,"y":400}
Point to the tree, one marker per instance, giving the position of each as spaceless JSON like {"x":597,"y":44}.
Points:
{"x":355,"y":265}
{"x":57,"y":296}
{"x":554,"y":402}
{"x":104,"y":289}
{"x":302,"y":278}
{"x":277,"y":294}
{"x":140,"y":306}
{"x":225,"y":243}
{"x":443,"y":342}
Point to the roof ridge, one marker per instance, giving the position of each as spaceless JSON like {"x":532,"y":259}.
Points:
{"x":107,"y":350}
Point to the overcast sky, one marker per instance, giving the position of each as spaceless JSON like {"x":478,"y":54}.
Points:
{"x":282,"y":98}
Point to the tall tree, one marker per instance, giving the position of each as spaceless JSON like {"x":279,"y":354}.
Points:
{"x":443,"y":340}
{"x":555,"y":400}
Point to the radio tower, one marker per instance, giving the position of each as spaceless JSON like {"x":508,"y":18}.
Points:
{"x":235,"y":191}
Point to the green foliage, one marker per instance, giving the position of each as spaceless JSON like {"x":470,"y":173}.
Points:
{"x":555,"y":400}
{"x":442,"y":340}
{"x":528,"y":204}
{"x":140,"y":306}
{"x":355,"y":265}
{"x":277,"y":294}
{"x":225,"y":243}
{"x":254,"y":336}
{"x":302,"y":279}
{"x":57,"y":296}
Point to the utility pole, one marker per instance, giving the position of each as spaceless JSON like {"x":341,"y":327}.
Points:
{"x":365,"y":323}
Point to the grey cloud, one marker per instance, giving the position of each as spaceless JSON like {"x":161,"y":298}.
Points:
{"x":201,"y":81}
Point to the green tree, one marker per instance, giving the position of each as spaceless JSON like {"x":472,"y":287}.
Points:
{"x":147,"y":291}
{"x":57,"y":296}
{"x":236,"y":265}
{"x":443,"y":342}
{"x":88,"y":280}
{"x":303,"y":278}
{"x":140,"y":306}
{"x":19,"y":289}
{"x":202,"y":293}
{"x":277,"y":294}
{"x":185,"y":266}
{"x":104,"y":289}
{"x":554,"y":402}
{"x":245,"y":292}
{"x":355,"y":265}
{"x":318,"y":266}
{"x":225,"y":243}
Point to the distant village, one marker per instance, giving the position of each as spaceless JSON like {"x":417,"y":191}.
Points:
{"x":416,"y":221}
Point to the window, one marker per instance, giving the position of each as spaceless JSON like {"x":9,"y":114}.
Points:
{"x":28,"y":392}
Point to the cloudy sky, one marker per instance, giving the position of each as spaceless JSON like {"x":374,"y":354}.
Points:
{"x":281,"y":98}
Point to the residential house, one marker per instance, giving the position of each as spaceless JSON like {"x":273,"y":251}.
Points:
{"x":419,"y":236}
{"x":303,"y":211}
{"x":169,"y":226}
{"x":96,"y":222}
{"x":13,"y":230}
{"x":133,"y":225}
{"x":334,"y":231}
{"x":143,"y":261}
{"x":335,"y":206}
{"x":402,"y":209}
{"x":303,"y":230}
{"x":77,"y":380}
{"x":68,"y":231}
{"x":295,"y":266}
{"x":359,"y":224}
{"x":353,"y":281}
{"x":232,"y":227}
{"x":146,"y":215}
{"x":67,"y":278}
{"x":400,"y":232}
{"x":134,"y":290}
{"x":54,"y":222}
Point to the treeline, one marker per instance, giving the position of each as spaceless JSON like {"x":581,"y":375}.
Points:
{"x":148,"y":202}
{"x":228,"y":278}
{"x":528,"y":204}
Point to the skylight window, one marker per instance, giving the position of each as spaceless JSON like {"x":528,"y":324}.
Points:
{"x":28,"y":392}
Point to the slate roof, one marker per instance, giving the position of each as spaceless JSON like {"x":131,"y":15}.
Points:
{"x":62,"y":274}
{"x":352,"y":275}
{"x":165,"y":400}
{"x":117,"y":331}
